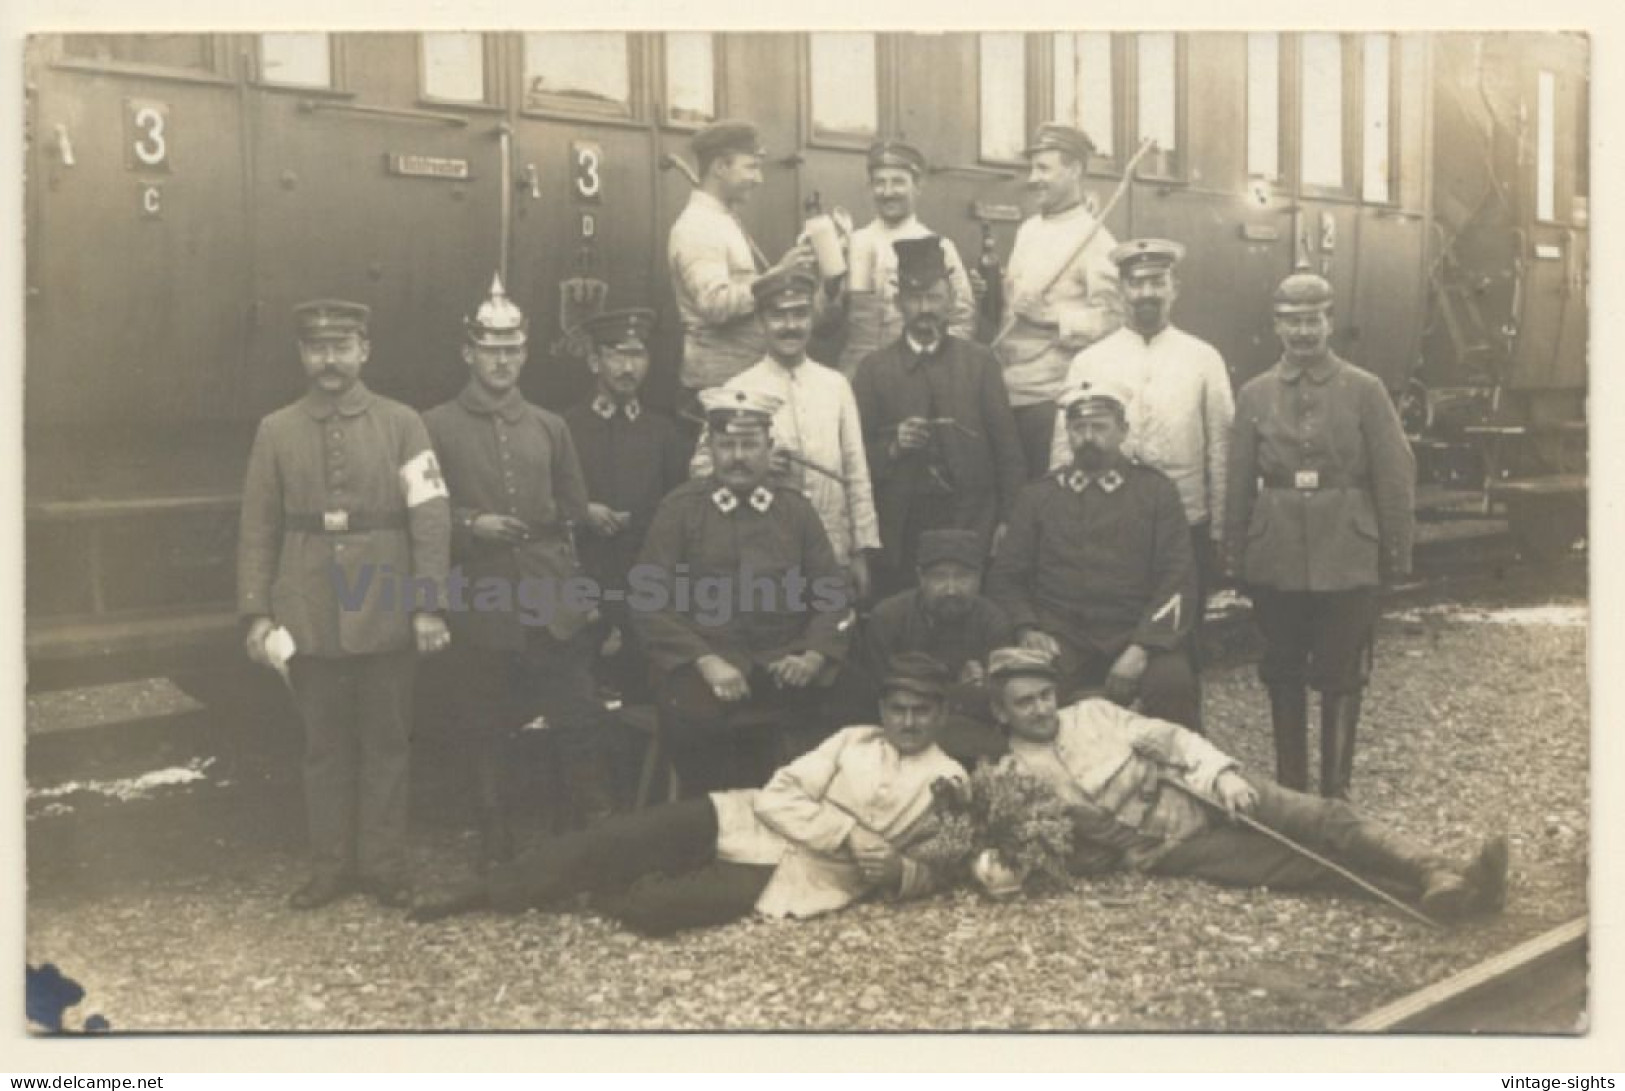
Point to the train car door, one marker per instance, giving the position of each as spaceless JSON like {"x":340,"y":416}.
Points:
{"x":1550,"y":353}
{"x":376,"y":178}
{"x":585,"y":145}
{"x":1386,"y":320}
{"x":135,"y":283}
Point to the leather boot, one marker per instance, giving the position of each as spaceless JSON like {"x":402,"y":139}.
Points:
{"x":589,"y":772}
{"x":1339,"y":716}
{"x":1487,"y":877}
{"x":1379,"y":854}
{"x":1289,"y":716}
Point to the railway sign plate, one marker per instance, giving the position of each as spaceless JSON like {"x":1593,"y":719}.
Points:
{"x":428,"y":166}
{"x":146,"y":134}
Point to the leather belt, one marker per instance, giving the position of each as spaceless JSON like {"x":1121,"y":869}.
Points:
{"x":1312,"y":480}
{"x":345,"y":522}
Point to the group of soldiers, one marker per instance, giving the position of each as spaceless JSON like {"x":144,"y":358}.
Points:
{"x":1005,"y":548}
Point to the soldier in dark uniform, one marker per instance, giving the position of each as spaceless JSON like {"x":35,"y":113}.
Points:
{"x":948,"y":618}
{"x":516,"y":492}
{"x":741,"y":605}
{"x":1320,"y":510}
{"x":632,"y":457}
{"x":937,"y":425}
{"x":343,"y":501}
{"x":1096,"y":569}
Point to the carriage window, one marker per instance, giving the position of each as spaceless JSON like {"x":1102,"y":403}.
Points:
{"x":1264,"y":106}
{"x":454,"y":67}
{"x":1003,"y":96}
{"x":157,"y":50}
{"x":691,"y":78}
{"x":1379,"y":140}
{"x":297,"y":60}
{"x":845,"y":86}
{"x":589,"y":71}
{"x":1083,"y":87}
{"x":1159,"y":101}
{"x":1322,"y":101}
{"x":1546,"y":149}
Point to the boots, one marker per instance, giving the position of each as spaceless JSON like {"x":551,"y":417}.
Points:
{"x":1411,"y":871}
{"x":1289,"y":716}
{"x":496,"y":839}
{"x":1339,"y":716}
{"x":1487,"y":876}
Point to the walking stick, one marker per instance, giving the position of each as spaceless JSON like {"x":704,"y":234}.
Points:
{"x":1305,"y":852}
{"x":1100,"y":221}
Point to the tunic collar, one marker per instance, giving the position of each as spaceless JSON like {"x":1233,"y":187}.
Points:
{"x":351,"y":403}
{"x":919,"y":353}
{"x":1077,"y":479}
{"x":1318,"y":372}
{"x":480,"y":401}
{"x":605,"y":407}
{"x":727,"y":501}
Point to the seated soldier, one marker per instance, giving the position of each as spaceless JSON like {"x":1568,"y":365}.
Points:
{"x":1096,"y":571}
{"x":833,"y":826}
{"x":741,"y":606}
{"x":1125,"y":777}
{"x":948,"y":618}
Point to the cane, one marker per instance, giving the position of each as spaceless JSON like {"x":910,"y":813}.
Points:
{"x":1100,"y":221}
{"x":1307,"y":853}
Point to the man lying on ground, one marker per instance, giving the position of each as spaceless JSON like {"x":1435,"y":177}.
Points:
{"x":831,"y":827}
{"x":1130,"y":780}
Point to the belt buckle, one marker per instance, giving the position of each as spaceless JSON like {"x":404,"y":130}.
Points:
{"x":335,"y":522}
{"x":1306,"y":479}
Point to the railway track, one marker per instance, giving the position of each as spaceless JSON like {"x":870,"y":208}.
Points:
{"x":1537,"y":987}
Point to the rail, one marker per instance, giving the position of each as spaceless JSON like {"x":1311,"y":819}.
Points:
{"x":1539,"y":986}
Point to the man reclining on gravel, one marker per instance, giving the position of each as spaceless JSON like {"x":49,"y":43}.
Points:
{"x":831,"y":827}
{"x":1152,"y":797}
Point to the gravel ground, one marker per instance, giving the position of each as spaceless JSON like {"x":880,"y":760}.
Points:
{"x":1471,"y":727}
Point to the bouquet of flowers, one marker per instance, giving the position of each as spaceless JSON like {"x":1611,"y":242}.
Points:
{"x":1004,"y":826}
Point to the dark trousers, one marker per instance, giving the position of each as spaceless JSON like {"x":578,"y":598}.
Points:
{"x":500,"y":691}
{"x":654,"y":870}
{"x":1168,"y":688}
{"x":1318,"y":638}
{"x":1232,"y":855}
{"x":357,"y":712}
{"x":1207,"y":574}
{"x":716,"y":745}
{"x":1035,"y":425}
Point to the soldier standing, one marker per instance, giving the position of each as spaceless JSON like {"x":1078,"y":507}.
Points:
{"x":817,"y":432}
{"x":1060,"y":287}
{"x":896,"y":176}
{"x":713,"y":262}
{"x":343,"y":501}
{"x":631,"y":456}
{"x":942,"y":443}
{"x":1320,"y":511}
{"x":516,"y":492}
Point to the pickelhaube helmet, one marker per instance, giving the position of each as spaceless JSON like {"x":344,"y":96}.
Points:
{"x":497,"y":320}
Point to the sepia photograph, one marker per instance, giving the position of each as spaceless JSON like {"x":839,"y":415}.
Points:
{"x":1060,"y":530}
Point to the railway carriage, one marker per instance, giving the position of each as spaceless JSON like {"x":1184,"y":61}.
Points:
{"x":184,"y":190}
